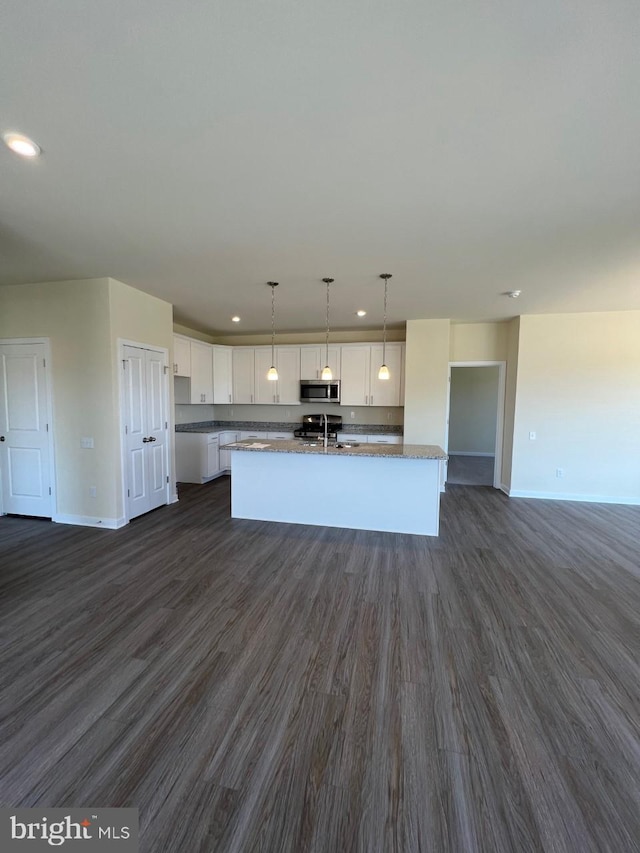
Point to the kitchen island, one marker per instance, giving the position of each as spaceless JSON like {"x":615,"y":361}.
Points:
{"x":383,"y":487}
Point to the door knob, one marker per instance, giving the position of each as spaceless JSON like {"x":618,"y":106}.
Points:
{"x":151,"y":438}
{"x":1,"y":438}
{"x":145,"y":440}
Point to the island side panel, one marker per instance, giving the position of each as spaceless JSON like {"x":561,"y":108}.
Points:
{"x":363,"y":493}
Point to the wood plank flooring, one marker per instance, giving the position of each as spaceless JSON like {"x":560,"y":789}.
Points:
{"x":271,"y":687}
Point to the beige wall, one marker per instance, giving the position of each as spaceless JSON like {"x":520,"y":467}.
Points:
{"x":140,"y":318}
{"x":472,"y":411}
{"x":337,"y":337}
{"x":478,"y":341}
{"x":578,"y":389}
{"x":426,"y":382}
{"x":513,"y":337}
{"x":75,"y":316}
{"x":83,"y":320}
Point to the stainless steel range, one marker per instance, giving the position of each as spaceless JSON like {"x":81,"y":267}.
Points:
{"x":313,"y":427}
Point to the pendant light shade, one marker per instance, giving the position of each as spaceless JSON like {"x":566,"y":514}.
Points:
{"x":326,"y":370}
{"x":383,"y":373}
{"x":272,"y":373}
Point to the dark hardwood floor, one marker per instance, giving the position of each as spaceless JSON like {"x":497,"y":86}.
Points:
{"x":254,"y":686}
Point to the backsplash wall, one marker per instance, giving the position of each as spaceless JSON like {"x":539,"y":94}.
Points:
{"x":292,"y":414}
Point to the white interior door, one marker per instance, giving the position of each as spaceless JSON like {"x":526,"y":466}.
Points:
{"x":145,"y":425}
{"x":25,"y":469}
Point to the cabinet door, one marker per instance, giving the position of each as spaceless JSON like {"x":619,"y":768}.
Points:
{"x":213,"y":458}
{"x":265,"y":390}
{"x":222,"y":375}
{"x":243,"y":367}
{"x":355,"y":376}
{"x":201,"y":372}
{"x":386,"y":392}
{"x":288,"y":363}
{"x":313,"y":359}
{"x":181,"y":356}
{"x":225,"y":455}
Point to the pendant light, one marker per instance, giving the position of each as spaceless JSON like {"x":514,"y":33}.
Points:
{"x":383,"y":373}
{"x":272,"y":373}
{"x":326,"y":370}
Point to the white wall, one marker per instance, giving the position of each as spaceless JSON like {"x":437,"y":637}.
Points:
{"x":578,"y":389}
{"x":472,"y":409}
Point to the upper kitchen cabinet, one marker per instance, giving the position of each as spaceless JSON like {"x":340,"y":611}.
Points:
{"x":314,"y":358}
{"x":222,"y":375}
{"x":360,"y":383}
{"x":181,"y":356}
{"x":387,"y":392}
{"x":201,"y":372}
{"x":243,"y":374}
{"x":284,"y":391}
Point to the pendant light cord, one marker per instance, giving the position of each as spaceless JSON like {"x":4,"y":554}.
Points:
{"x":384,"y":325}
{"x":327,"y":336}
{"x":385,"y":276}
{"x":273,"y":323}
{"x":328,"y":282}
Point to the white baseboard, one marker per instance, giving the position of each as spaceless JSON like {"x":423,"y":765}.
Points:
{"x":469,"y":453}
{"x":174,"y":499}
{"x":90,"y":521}
{"x":554,"y":496}
{"x":505,"y":489}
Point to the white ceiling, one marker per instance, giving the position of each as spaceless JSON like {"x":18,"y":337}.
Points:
{"x":196,"y":150}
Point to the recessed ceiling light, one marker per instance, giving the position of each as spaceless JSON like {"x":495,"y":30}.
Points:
{"x":235,"y":319}
{"x":513,"y":294}
{"x":20,"y":144}
{"x":361,"y":313}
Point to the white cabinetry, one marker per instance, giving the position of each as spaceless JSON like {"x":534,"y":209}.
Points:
{"x":288,"y":390}
{"x":225,"y":454}
{"x":201,"y":373}
{"x":243,"y":374}
{"x":386,"y":392}
{"x":360,"y":383}
{"x":181,"y":356}
{"x":213,"y":456}
{"x":222,"y":375}
{"x":356,"y":374}
{"x":252,"y":434}
{"x":197,"y":457}
{"x":314,"y":358}
{"x":369,"y":439}
{"x":284,"y":391}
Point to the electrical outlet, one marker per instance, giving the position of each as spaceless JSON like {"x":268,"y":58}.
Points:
{"x":560,"y":473}
{"x":86,"y":442}
{"x":532,"y":436}
{"x":353,"y":414}
{"x":93,"y":492}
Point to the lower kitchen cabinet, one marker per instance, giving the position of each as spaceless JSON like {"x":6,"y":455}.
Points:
{"x":197,"y":457}
{"x":225,"y":455}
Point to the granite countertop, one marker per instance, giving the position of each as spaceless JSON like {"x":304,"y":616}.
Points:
{"x":263,"y":426}
{"x":396,"y":451}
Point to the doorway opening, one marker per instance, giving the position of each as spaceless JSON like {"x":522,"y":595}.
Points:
{"x":475,"y":423}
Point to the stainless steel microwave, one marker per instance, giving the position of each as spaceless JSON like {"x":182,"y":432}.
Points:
{"x":316,"y":390}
